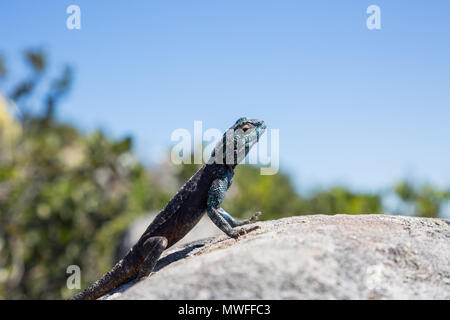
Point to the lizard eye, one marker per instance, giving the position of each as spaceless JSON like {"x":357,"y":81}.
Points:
{"x":246,"y":127}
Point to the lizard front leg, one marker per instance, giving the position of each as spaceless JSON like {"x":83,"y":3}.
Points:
{"x":220,"y":217}
{"x":235,"y":222}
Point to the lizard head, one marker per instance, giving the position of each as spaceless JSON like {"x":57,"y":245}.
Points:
{"x":238,"y":140}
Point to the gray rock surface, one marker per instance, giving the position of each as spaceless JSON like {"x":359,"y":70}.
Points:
{"x":309,"y":257}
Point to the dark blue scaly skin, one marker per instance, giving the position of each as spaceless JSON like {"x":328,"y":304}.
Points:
{"x":203,"y":192}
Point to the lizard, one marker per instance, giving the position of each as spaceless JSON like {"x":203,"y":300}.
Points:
{"x":203,"y":192}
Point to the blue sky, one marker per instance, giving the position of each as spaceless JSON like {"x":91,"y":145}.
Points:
{"x":354,"y":106}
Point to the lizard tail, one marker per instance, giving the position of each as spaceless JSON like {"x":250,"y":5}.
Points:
{"x":124,"y":270}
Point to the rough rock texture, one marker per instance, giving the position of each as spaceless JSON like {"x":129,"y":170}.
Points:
{"x":309,"y":257}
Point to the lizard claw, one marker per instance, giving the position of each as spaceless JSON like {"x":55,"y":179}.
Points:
{"x":255,"y":216}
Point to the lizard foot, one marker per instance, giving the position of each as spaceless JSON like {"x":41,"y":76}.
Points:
{"x":252,"y":219}
{"x":237,"y":233}
{"x":255,"y":216}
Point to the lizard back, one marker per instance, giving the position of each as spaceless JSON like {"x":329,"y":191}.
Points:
{"x":186,"y":207}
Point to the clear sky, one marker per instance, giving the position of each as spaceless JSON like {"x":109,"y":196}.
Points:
{"x":354,"y":106}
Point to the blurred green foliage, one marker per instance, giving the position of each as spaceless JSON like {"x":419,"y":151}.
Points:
{"x":426,"y":200}
{"x":275,"y":197}
{"x":66,"y":197}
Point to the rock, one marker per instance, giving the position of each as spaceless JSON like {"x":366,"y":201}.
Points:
{"x":309,"y":257}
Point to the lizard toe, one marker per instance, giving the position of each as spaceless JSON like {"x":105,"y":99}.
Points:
{"x":255,"y":216}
